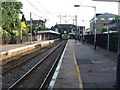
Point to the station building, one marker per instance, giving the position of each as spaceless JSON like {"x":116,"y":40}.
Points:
{"x":65,"y":30}
{"x":101,"y":21}
{"x":47,"y":35}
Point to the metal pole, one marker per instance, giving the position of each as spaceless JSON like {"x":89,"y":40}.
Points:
{"x":83,"y":31}
{"x":118,"y":61}
{"x":108,"y":40}
{"x":31,"y":27}
{"x":21,"y":33}
{"x":76,"y":19}
{"x":95,"y":30}
{"x":76,"y":28}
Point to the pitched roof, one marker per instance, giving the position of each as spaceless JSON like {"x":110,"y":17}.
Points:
{"x":64,"y":25}
{"x":107,"y":15}
{"x":36,"y":21}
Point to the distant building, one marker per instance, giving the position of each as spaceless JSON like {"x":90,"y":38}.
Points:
{"x":102,"y":20}
{"x":68,"y":29}
{"x":37,"y":23}
{"x":47,"y":35}
{"x":81,"y":28}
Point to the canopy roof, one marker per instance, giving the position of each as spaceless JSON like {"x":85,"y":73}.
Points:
{"x":48,"y":31}
{"x":114,"y":25}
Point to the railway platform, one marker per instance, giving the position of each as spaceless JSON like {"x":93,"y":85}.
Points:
{"x":83,"y":68}
{"x":10,"y":50}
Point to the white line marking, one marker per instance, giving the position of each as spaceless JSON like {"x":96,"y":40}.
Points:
{"x":52,"y":83}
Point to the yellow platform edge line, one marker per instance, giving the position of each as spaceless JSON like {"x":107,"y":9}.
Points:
{"x":78,"y":71}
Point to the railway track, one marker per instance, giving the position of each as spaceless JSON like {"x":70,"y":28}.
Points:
{"x":24,"y":58}
{"x":41,"y":70}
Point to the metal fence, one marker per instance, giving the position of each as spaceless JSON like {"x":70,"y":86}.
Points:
{"x":16,"y":39}
{"x":102,"y":39}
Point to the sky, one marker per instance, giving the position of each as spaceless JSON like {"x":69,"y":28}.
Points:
{"x":52,"y":9}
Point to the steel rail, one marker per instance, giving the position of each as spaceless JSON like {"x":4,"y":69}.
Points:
{"x":26,"y":74}
{"x":10,"y":68}
{"x":29,"y":58}
{"x":47,"y":76}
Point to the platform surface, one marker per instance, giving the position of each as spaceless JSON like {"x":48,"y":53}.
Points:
{"x":67,"y":77}
{"x":97,"y":69}
{"x":14,"y":46}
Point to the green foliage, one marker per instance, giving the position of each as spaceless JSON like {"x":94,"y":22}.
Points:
{"x":23,"y":18}
{"x":4,"y":32}
{"x":117,"y":19}
{"x":104,"y":29}
{"x":41,"y":28}
{"x":10,"y":16}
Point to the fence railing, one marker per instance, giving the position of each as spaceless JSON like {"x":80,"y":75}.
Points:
{"x":102,"y":40}
{"x":16,"y":39}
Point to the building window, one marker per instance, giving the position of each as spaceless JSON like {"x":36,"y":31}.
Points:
{"x":111,"y":18}
{"x":98,"y":18}
{"x":99,"y":24}
{"x":102,"y":18}
{"x":106,"y":19}
{"x":57,"y":30}
{"x":105,"y":24}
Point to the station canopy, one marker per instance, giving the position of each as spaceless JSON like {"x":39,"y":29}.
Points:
{"x":114,"y":26}
{"x":48,"y":31}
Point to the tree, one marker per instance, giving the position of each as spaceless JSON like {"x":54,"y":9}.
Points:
{"x":10,"y":16}
{"x":24,"y":26}
{"x":117,"y":19}
{"x":4,"y":32}
{"x":23,"y":18}
{"x":104,"y":29}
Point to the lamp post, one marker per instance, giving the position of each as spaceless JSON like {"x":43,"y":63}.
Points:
{"x":118,"y":54}
{"x":21,"y":33}
{"x":21,"y":27}
{"x":31,"y":27}
{"x":76,"y":27}
{"x":83,"y":31}
{"x":108,"y":40}
{"x":93,"y":24}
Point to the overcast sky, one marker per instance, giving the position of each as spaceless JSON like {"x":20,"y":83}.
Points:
{"x":51,"y":9}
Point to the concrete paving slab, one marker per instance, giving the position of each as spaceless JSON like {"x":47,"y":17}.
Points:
{"x":89,"y":85}
{"x":67,"y":77}
{"x":98,"y":70}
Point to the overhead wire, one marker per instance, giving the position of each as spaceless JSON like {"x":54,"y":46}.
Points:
{"x":47,"y":11}
{"x":43,"y":7}
{"x":38,"y":16}
{"x":36,"y":8}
